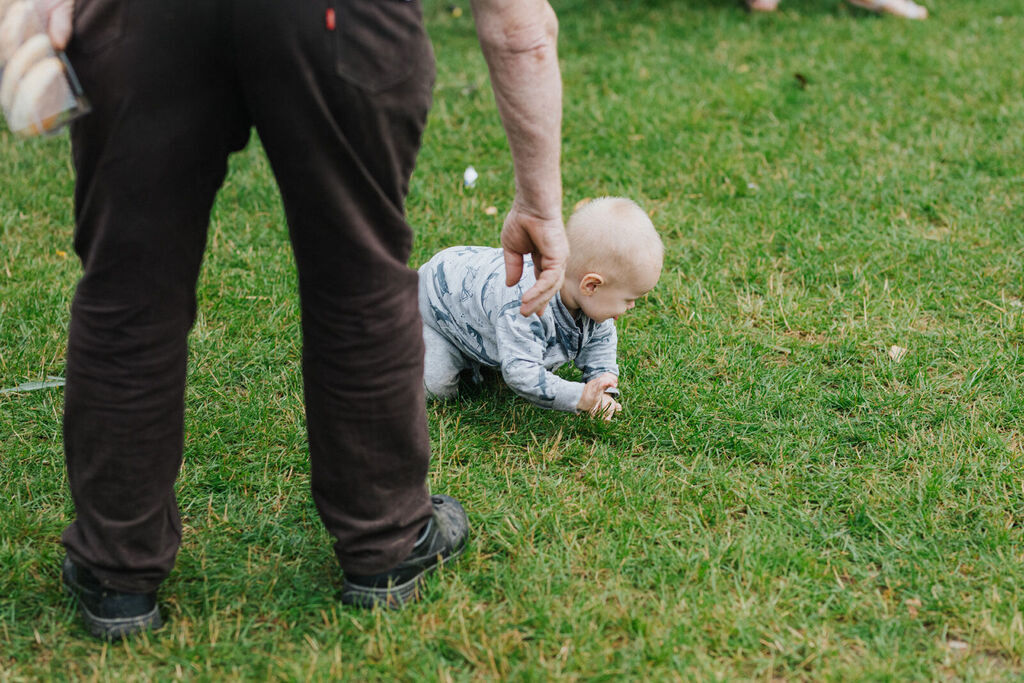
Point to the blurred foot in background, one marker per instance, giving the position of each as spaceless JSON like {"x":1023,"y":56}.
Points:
{"x":899,"y":8}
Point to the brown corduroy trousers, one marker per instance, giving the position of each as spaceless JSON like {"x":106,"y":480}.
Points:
{"x":338,"y":91}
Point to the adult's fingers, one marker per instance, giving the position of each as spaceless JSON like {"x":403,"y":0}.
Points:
{"x":57,"y":15}
{"x":536,"y":298}
{"x":59,"y":28}
{"x":544,"y":238}
{"x":513,"y":267}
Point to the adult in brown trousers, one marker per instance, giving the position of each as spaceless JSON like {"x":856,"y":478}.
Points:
{"x":338,"y":92}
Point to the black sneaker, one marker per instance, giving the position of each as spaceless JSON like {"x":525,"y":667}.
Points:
{"x":443,"y":540}
{"x":107,"y":613}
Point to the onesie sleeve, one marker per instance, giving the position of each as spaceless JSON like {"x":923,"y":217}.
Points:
{"x":598,"y":355}
{"x":521,"y":343}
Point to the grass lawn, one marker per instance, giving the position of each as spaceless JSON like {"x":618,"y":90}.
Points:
{"x":784,"y":496}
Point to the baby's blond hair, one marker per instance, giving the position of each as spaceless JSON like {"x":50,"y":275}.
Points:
{"x":614,"y":237}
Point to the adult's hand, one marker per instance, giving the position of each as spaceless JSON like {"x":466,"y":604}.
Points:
{"x":56,"y":15}
{"x":544,"y":239}
{"x":519,"y":41}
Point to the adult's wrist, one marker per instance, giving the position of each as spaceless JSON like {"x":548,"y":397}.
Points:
{"x":544,"y":209}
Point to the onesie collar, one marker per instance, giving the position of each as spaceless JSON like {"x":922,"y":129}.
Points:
{"x":570,"y":334}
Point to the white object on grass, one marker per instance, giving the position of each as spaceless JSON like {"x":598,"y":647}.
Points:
{"x":470,"y":176}
{"x":896,"y":353}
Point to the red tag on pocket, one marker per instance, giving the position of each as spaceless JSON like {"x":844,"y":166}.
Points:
{"x":330,"y":18}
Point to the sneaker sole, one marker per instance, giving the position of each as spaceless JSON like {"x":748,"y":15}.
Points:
{"x":393,"y":596}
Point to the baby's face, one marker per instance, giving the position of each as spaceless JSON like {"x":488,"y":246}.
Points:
{"x":614,"y":298}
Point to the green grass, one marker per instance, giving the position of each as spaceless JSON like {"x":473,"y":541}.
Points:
{"x":779,"y":499}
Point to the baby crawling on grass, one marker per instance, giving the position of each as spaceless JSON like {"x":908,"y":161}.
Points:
{"x":471,"y":319}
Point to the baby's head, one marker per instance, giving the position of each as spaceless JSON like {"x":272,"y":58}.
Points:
{"x":615,"y":257}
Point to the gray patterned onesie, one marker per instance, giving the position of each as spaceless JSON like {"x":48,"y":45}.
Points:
{"x":471,"y":319}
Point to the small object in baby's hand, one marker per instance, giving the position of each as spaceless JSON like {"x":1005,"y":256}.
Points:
{"x":612,"y":391}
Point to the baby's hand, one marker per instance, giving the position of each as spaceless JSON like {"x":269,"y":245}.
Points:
{"x":595,"y":401}
{"x":606,"y":408}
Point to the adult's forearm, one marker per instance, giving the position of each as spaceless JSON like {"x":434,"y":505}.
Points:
{"x":519,"y":41}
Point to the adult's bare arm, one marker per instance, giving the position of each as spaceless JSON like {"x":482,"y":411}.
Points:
{"x":519,"y":41}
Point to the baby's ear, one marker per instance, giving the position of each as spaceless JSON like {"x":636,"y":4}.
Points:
{"x":590,"y":282}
